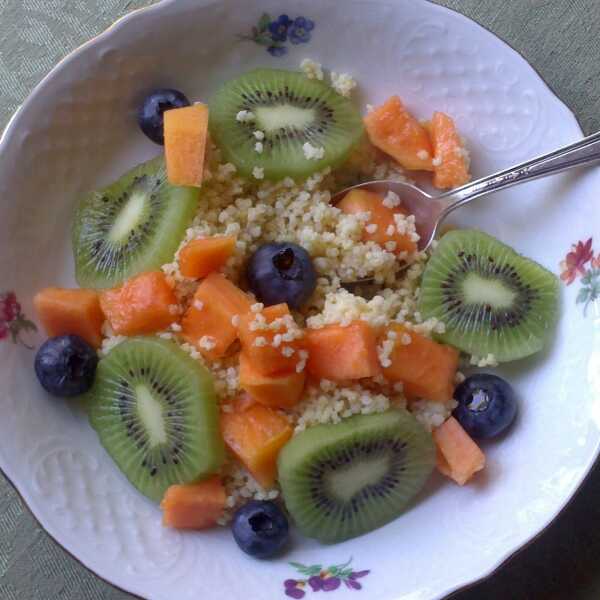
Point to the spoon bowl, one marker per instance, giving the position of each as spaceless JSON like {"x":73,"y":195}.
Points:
{"x":430,"y":211}
{"x":425,"y":207}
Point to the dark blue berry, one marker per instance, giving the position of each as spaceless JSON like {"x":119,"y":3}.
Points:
{"x":66,"y":365}
{"x":486,"y":405}
{"x":281,"y":272}
{"x":260,"y":528}
{"x":150,"y":116}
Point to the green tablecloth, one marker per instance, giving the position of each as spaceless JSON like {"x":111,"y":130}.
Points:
{"x":560,"y":38}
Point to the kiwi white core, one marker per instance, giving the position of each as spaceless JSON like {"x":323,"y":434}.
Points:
{"x":344,"y":484}
{"x":479,"y":290}
{"x":281,"y":116}
{"x":150,"y":413}
{"x":128,"y":217}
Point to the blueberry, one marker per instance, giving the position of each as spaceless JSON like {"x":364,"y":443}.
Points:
{"x":486,"y":405}
{"x":281,"y":272}
{"x":260,"y":528}
{"x":66,"y":365}
{"x":150,"y":116}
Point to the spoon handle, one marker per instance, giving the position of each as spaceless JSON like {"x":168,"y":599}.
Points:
{"x":580,"y":153}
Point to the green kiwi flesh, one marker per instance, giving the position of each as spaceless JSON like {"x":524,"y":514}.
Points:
{"x":134,"y":225}
{"x":155,"y":411}
{"x":291,"y":110}
{"x":491,"y":299}
{"x":344,"y":480}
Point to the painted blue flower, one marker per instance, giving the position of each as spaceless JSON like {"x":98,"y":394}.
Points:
{"x":279,"y":28}
{"x":277,"y":50}
{"x":300,"y":30}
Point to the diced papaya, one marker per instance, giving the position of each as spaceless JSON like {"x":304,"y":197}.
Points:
{"x":448,"y":149}
{"x":277,"y":391}
{"x":186,"y":132}
{"x":201,"y":257}
{"x":210,"y":322}
{"x":194,"y":505}
{"x":263,"y":338}
{"x":427,"y":369}
{"x":71,"y":312}
{"x":256,"y":437}
{"x":342,"y":353}
{"x":143,"y":304}
{"x":394,"y":130}
{"x":361,"y":201}
{"x":458,"y":456}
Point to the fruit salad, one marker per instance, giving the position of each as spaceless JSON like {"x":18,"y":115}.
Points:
{"x":253,"y":354}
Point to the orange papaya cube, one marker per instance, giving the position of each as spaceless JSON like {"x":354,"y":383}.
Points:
{"x":199,"y":258}
{"x":143,"y":304}
{"x":194,"y":505}
{"x":71,"y":312}
{"x":451,"y":164}
{"x":427,"y":369}
{"x":361,"y":201}
{"x":458,"y":456}
{"x":256,"y":437}
{"x":211,"y":321}
{"x":392,"y":129}
{"x":271,"y":340}
{"x":277,"y":391}
{"x":342,"y":353}
{"x":186,"y":132}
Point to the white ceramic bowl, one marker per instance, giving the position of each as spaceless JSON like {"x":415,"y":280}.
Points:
{"x":77,"y":131}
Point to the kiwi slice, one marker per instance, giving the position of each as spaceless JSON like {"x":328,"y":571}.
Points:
{"x":291,"y":111}
{"x":154,"y":409}
{"x":491,"y":299}
{"x":135,"y":224}
{"x":340,"y":481}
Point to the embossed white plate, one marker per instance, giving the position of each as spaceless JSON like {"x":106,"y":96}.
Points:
{"x":77,"y":131}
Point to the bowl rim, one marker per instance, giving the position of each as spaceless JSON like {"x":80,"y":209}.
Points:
{"x":160,"y":5}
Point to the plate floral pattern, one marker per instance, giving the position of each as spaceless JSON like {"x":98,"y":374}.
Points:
{"x":580,"y":263}
{"x":13,"y":323}
{"x":317,"y":579}
{"x":275,"y":33}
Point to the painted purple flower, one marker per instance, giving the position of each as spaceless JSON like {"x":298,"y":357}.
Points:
{"x":300,"y":30}
{"x":293,"y":588}
{"x":279,"y":28}
{"x":316,"y":583}
{"x":351,"y":580}
{"x":330,"y":584}
{"x":353,"y":585}
{"x":359,"y":574}
{"x":277,"y":50}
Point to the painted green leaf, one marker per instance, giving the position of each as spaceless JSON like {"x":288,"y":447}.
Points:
{"x":264,"y":40}
{"x":28,"y":325}
{"x":583,"y":295}
{"x":264,"y":22}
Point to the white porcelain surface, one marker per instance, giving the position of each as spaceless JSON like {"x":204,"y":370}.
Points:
{"x":78,"y":131}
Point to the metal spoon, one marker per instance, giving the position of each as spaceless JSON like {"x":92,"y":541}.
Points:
{"x":430,"y":211}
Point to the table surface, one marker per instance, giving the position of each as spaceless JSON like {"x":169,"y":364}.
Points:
{"x":560,"y":39}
